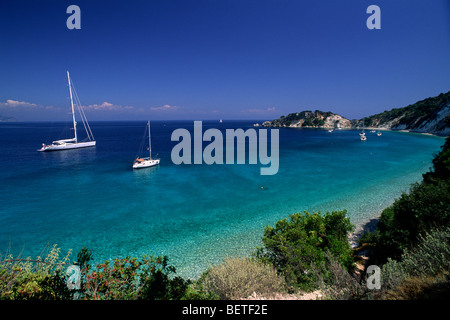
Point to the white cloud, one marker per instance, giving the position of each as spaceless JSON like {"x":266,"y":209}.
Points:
{"x":165,"y":107}
{"x":18,"y":104}
{"x":107,"y":106}
{"x":261,"y":111}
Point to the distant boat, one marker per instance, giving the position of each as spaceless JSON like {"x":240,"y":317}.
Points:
{"x":220,"y":120}
{"x":379,"y":133}
{"x":362,"y":134}
{"x":146,"y":162}
{"x":331,"y":130}
{"x":73,"y":143}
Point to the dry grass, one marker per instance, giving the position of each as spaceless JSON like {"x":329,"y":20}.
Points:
{"x":238,"y":278}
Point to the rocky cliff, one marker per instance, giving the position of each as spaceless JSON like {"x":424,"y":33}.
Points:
{"x":310,"y":119}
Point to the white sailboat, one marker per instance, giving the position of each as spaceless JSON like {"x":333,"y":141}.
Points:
{"x":146,"y":162}
{"x":72,"y":143}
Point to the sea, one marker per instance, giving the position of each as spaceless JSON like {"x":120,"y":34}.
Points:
{"x":195,"y":214}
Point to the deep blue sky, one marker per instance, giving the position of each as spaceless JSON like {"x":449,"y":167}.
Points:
{"x":229,"y":59}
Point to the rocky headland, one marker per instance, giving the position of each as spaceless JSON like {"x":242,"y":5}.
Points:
{"x":431,"y":115}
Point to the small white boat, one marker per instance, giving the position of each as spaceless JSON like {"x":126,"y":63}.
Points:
{"x":331,"y":130}
{"x":146,"y":162}
{"x":72,"y":143}
{"x":362,"y":134}
{"x":379,"y":133}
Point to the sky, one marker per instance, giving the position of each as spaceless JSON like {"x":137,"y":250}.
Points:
{"x":220,"y":59}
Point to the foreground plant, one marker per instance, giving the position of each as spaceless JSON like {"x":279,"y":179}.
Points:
{"x":34,"y":279}
{"x":130,"y":278}
{"x":296,"y":246}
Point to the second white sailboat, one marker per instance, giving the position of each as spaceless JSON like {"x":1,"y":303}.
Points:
{"x":146,"y":162}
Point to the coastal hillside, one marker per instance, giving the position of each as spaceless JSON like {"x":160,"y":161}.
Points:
{"x":431,"y":115}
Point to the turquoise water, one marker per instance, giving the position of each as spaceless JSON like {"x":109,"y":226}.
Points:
{"x":194,"y":214}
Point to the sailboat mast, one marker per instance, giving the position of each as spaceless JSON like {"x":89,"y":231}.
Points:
{"x":73,"y":111}
{"x":149,"y":141}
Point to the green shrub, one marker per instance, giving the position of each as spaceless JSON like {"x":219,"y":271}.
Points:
{"x":419,"y":264}
{"x":129,"y":278}
{"x":441,"y":164}
{"x":299,"y":243}
{"x":33,"y":279}
{"x":237,"y":278}
{"x":132,"y":278}
{"x":430,"y":256}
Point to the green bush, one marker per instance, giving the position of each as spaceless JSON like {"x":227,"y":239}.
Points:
{"x":130,"y":278}
{"x":416,"y":268}
{"x":147,"y":278}
{"x":441,"y":165}
{"x":237,"y":278}
{"x":299,"y":243}
{"x":430,"y":257}
{"x":34,"y":279}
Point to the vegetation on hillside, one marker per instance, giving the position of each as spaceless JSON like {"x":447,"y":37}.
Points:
{"x":307,"y":118}
{"x":412,"y":115}
{"x":302,"y":243}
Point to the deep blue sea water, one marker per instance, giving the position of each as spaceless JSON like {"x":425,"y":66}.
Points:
{"x":194,"y":214}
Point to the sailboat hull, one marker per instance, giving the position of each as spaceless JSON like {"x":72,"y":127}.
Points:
{"x":145,"y":163}
{"x":67,"y":146}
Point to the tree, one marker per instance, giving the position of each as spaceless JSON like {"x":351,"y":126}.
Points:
{"x":298,"y":245}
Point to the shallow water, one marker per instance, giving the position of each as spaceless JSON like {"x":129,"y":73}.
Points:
{"x":195,"y":214}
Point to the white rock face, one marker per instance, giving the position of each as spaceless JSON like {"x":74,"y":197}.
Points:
{"x":336,"y":121}
{"x":436,"y":125}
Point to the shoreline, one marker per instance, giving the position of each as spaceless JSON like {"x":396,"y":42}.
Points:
{"x":358,"y":128}
{"x":408,"y":131}
{"x":369,"y":226}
